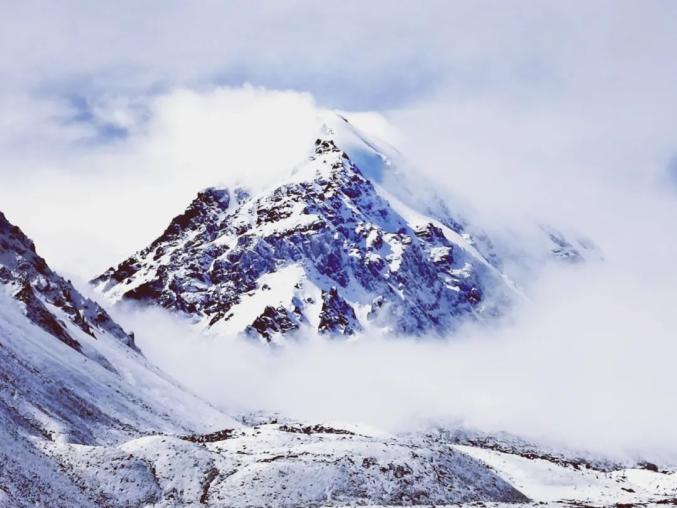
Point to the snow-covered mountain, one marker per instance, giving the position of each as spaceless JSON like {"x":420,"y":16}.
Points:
{"x":335,"y":247}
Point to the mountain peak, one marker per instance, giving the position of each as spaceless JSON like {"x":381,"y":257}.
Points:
{"x":323,"y":250}
{"x":331,"y":249}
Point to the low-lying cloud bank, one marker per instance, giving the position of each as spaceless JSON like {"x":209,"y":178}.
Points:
{"x":587,"y":364}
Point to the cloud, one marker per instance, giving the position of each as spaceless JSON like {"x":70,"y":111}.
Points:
{"x":158,"y":44}
{"x":89,"y":204}
{"x":585,"y":366}
{"x":492,"y":102}
{"x":352,"y":55}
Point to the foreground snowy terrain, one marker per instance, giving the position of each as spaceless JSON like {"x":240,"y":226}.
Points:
{"x":313,"y":465}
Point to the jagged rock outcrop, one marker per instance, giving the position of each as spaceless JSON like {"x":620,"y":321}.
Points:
{"x":337,"y":316}
{"x":271,"y":321}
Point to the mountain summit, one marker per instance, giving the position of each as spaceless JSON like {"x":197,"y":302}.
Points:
{"x":326,"y":249}
{"x":332,"y":248}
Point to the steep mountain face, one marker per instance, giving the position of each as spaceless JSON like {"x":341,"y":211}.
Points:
{"x":49,"y":300}
{"x":327,"y":249}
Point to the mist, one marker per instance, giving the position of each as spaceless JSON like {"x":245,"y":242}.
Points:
{"x":94,"y":203}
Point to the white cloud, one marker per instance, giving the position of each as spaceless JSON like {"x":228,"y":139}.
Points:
{"x":587,"y":365}
{"x":95,"y":204}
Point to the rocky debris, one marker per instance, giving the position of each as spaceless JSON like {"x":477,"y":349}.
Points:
{"x":649,"y":466}
{"x":313,"y":429}
{"x":212,"y":437}
{"x":209,"y":478}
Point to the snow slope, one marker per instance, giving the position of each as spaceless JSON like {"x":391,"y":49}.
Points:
{"x":547,"y":481}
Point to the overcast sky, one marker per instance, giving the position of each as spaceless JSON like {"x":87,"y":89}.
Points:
{"x":484,"y":95}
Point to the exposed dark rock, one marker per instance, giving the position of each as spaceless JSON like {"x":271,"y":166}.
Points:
{"x":314,"y":429}
{"x":324,"y":146}
{"x":649,"y":466}
{"x":208,"y":202}
{"x":207,"y":483}
{"x":562,"y":248}
{"x":148,"y":291}
{"x":39,"y":315}
{"x":273,"y":320}
{"x":212,"y":437}
{"x":337,"y":316}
